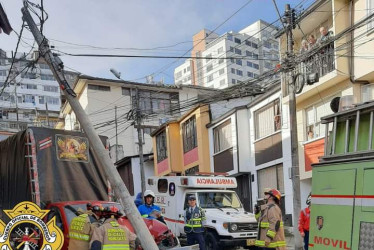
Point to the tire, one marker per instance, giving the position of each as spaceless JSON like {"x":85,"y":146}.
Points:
{"x":212,"y":241}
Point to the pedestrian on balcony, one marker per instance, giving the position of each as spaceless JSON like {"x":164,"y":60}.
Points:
{"x":312,"y":42}
{"x":304,"y":46}
{"x":325,"y":35}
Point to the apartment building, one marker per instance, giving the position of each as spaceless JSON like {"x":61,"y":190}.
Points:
{"x":32,"y":95}
{"x":231,"y":58}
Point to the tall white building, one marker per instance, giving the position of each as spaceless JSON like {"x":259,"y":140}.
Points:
{"x":32,"y":97}
{"x":230,"y":58}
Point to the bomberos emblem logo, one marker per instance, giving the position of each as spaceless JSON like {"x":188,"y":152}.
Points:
{"x":26,"y":229}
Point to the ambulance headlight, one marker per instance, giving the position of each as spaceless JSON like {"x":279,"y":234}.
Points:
{"x":233,"y":227}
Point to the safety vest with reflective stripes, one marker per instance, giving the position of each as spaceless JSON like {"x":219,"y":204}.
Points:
{"x":194,"y":220}
{"x":271,"y":228}
{"x":113,"y":236}
{"x":80,"y":230}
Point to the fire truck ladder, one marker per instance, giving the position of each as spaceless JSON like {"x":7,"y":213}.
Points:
{"x":32,"y":166}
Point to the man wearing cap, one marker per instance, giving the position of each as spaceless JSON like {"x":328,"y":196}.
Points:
{"x":194,"y":219}
{"x":270,"y":231}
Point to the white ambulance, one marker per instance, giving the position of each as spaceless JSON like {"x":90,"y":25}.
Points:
{"x":227,"y":224}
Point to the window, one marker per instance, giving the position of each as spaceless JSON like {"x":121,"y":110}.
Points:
{"x":237,"y":40}
{"x":41,"y":100}
{"x":209,"y":67}
{"x":125,"y":91}
{"x":270,"y":177}
{"x":249,"y":64}
{"x":189,"y":134}
{"x":50,"y":88}
{"x":314,"y":128}
{"x":233,"y":81}
{"x":267,"y":45}
{"x":254,"y":45}
{"x":229,"y":37}
{"x":28,"y":99}
{"x":222,"y":82}
{"x":29,"y":86}
{"x":161,"y":144}
{"x":47,"y":77}
{"x":208,"y":57}
{"x":233,"y":70}
{"x":162,"y":185}
{"x":178,"y":75}
{"x":210,"y":78}
{"x":267,"y":119}
{"x":221,"y":71}
{"x":231,"y":49}
{"x":250,"y":74}
{"x":52,"y":100}
{"x":98,"y":87}
{"x":43,"y":66}
{"x":238,"y":51}
{"x":222,"y":136}
{"x":239,"y":72}
{"x":232,"y":60}
{"x":268,"y":65}
{"x":239,"y":61}
{"x":220,"y":50}
{"x":256,"y":66}
{"x":153,"y":102}
{"x":2,"y":72}
{"x":220,"y":61}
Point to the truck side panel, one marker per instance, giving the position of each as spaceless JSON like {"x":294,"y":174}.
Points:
{"x":332,"y":208}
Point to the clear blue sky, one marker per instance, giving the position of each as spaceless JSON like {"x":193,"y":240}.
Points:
{"x":134,"y":24}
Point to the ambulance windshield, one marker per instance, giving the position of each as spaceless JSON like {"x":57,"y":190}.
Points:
{"x":219,"y":200}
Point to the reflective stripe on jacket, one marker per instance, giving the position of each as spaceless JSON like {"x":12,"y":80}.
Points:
{"x":271,"y":228}
{"x":80,"y":231}
{"x":112,"y":236}
{"x":194,"y":221}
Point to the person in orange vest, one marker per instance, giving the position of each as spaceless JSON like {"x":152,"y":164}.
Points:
{"x":304,"y":221}
{"x":270,"y":231}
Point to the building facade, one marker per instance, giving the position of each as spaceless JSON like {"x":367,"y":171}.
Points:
{"x":231,"y":58}
{"x":32,"y":96}
{"x":342,"y":69}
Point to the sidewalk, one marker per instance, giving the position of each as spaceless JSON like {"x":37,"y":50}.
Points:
{"x":289,"y":238}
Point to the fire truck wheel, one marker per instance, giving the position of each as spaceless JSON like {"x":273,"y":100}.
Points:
{"x":212,"y":241}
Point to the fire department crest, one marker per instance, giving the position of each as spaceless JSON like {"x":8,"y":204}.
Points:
{"x":26,"y":229}
{"x":319,"y":222}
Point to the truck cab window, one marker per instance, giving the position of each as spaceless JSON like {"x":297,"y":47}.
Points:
{"x":162,"y":185}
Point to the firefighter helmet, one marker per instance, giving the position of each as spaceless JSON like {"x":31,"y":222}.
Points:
{"x":309,"y":199}
{"x":149,"y":193}
{"x":275,"y":193}
{"x":112,"y":210}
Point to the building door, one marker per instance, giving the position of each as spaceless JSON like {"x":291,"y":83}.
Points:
{"x":244,"y":191}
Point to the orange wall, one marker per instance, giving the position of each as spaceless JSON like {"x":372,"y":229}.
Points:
{"x":312,"y":151}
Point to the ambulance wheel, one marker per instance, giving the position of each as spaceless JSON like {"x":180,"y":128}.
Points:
{"x":212,"y":241}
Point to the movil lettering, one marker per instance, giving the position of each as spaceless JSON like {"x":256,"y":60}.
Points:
{"x":215,"y":181}
{"x":331,"y":242}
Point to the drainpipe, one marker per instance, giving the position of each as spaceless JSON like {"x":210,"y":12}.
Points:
{"x":351,"y":59}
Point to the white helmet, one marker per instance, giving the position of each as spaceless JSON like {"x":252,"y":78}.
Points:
{"x":309,"y":199}
{"x":149,"y":193}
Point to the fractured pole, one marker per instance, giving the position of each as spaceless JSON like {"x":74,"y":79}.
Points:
{"x":113,"y":176}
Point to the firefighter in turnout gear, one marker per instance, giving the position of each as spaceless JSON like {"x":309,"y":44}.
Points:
{"x":194,"y":219}
{"x":270,"y":228}
{"x":82,"y":226}
{"x":111,"y":235}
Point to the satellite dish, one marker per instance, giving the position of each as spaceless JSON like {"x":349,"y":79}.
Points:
{"x":116,"y":73}
{"x":334,"y":104}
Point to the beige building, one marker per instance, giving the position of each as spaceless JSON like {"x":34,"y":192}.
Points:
{"x":343,"y":64}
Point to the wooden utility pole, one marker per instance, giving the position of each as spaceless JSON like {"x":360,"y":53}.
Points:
{"x":295,"y":176}
{"x":138,"y":119}
{"x":111,"y":172}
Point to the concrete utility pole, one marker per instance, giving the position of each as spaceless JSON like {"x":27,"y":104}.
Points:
{"x":293,"y":127}
{"x":140,"y":138}
{"x":113,"y":176}
{"x":115,"y":119}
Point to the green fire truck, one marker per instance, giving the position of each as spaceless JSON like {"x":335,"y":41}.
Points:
{"x":342,"y":212}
